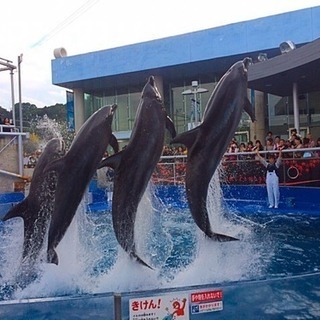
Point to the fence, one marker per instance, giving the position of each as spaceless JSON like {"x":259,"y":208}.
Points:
{"x":9,"y":136}
{"x":299,"y":167}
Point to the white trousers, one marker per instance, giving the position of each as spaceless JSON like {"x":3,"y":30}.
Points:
{"x":272,"y":181}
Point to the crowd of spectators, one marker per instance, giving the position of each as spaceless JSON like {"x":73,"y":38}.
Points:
{"x":174,"y":151}
{"x":274,"y":144}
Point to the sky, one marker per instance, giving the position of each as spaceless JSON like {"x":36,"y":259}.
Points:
{"x":35,"y":28}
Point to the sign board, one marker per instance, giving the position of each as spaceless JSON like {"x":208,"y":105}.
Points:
{"x":206,"y":301}
{"x":167,"y":307}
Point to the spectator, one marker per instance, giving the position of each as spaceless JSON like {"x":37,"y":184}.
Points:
{"x":6,"y":122}
{"x":276,"y":142}
{"x":269,"y":145}
{"x":250,"y":149}
{"x":269,"y":135}
{"x":297,"y":145}
{"x":282,"y":146}
{"x":250,"y":146}
{"x":25,"y":160}
{"x":306,"y":154}
{"x":32,"y":160}
{"x":233,"y":148}
{"x":311,"y":143}
{"x":272,"y":179}
{"x":258,"y":146}
{"x":293,"y":135}
{"x":317,"y":145}
{"x":242,"y":149}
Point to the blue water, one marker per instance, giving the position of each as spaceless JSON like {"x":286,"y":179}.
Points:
{"x":272,"y":245}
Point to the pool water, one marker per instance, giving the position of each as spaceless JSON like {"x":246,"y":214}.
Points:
{"x":272,"y":245}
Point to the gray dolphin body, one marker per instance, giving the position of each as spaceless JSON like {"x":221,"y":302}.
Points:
{"x":75,"y":170}
{"x":134,"y":165}
{"x":36,"y":209}
{"x":208,"y":142}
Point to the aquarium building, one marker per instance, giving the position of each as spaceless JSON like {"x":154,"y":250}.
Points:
{"x":284,"y":80}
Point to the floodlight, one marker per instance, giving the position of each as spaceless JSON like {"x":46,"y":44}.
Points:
{"x":287,"y":46}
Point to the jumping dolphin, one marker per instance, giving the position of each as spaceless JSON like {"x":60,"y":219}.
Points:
{"x":36,"y":209}
{"x":75,"y":170}
{"x":135,"y":164}
{"x":208,"y":142}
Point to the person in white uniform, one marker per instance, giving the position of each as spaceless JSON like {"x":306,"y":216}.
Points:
{"x":272,"y":179}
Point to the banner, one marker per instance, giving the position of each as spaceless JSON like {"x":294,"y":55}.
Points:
{"x":70,"y":111}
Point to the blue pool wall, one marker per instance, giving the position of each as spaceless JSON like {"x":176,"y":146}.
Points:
{"x":239,"y":197}
{"x":269,"y":299}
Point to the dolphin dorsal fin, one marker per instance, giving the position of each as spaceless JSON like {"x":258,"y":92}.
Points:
{"x":187,"y":138}
{"x":112,"y":161}
{"x":17,"y":211}
{"x":170,"y":127}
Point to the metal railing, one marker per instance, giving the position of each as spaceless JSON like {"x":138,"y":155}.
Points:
{"x":245,"y":168}
{"x":12,"y":132}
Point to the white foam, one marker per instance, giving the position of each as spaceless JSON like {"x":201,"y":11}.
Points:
{"x":89,"y":240}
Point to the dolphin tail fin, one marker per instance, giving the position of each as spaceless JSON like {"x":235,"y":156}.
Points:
{"x":170,"y":127}
{"x":187,"y":138}
{"x":135,"y":256}
{"x":220,"y":237}
{"x":17,"y":211}
{"x":52,"y":256}
{"x":114,"y":143}
{"x":112,"y":161}
{"x":248,"y":108}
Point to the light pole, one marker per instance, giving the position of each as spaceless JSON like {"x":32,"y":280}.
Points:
{"x":195,"y":90}
{"x":7,"y":65}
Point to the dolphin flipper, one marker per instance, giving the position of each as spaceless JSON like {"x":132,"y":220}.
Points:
{"x":248,"y":108}
{"x":112,"y":161}
{"x":187,"y":138}
{"x":17,"y":211}
{"x":114,"y":143}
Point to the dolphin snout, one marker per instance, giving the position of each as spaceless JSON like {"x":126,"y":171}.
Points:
{"x":246,"y":62}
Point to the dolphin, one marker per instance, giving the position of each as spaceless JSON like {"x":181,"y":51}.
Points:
{"x":36,"y":209}
{"x":134,"y":165}
{"x":208,"y":142}
{"x":75,"y":170}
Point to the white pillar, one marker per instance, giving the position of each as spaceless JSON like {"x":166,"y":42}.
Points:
{"x":79,"y":116}
{"x":258,"y":128}
{"x":296,"y":107}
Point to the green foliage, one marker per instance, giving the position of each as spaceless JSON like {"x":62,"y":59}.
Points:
{"x":30,"y":113}
{"x":4,"y":113}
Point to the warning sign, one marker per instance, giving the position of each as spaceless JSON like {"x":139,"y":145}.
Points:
{"x":206,"y":301}
{"x":169,"y":307}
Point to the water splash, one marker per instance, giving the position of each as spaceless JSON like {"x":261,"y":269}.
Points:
{"x":46,"y":129}
{"x":91,"y":261}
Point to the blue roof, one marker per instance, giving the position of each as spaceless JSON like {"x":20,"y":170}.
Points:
{"x":256,"y":35}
